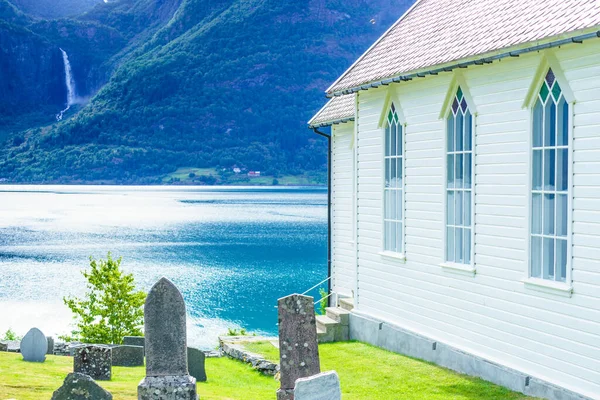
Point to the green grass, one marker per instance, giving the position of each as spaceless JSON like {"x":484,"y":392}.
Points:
{"x":182,"y":176}
{"x":227,"y":379}
{"x":370,"y":373}
{"x":366,"y":373}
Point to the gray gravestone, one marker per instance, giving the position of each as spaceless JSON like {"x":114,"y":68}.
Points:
{"x":196,"y":364}
{"x":93,"y":360}
{"x":167,"y":375}
{"x":127,"y":356}
{"x":325,"y":386}
{"x":80,"y":387}
{"x":34,"y":346}
{"x":50,"y":345}
{"x":73,"y":347}
{"x":3,"y":346}
{"x":134,"y":341}
{"x":298,"y":348}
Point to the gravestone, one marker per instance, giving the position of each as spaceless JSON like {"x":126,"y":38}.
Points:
{"x":3,"y":346}
{"x":324,"y":386}
{"x":80,"y":387}
{"x":127,"y":356}
{"x":167,"y":375}
{"x":298,"y":349}
{"x":93,"y":360}
{"x":73,"y":346}
{"x":134,"y":341}
{"x":34,"y":346}
{"x":196,"y":365}
{"x":50,"y":345}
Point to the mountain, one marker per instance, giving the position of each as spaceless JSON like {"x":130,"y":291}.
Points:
{"x":209,"y":84}
{"x":55,"y":8}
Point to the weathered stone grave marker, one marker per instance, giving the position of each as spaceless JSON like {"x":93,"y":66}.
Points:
{"x":134,"y":341}
{"x":50,"y":345}
{"x":127,"y":356}
{"x":34,"y":346}
{"x":196,"y":364}
{"x":167,"y":376}
{"x":80,"y":387}
{"x":3,"y":346}
{"x":324,"y":386}
{"x":298,"y":348}
{"x":93,"y":360}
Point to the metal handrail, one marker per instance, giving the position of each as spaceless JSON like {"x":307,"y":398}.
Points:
{"x":317,"y":285}
{"x":323,"y":298}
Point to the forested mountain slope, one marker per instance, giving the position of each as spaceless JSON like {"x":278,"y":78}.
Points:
{"x":197,"y":83}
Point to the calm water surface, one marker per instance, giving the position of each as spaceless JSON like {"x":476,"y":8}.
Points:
{"x":231,"y":251}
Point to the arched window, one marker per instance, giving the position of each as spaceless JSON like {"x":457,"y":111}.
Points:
{"x":550,"y":182}
{"x":459,"y":181}
{"x":393,"y":188}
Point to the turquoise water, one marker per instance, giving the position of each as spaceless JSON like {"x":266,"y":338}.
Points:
{"x":231,"y":251}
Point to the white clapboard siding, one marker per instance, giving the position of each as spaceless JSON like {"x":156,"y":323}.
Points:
{"x":491,"y":314}
{"x":342,"y":210}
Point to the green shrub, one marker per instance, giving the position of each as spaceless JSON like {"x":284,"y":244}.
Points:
{"x":11,"y":335}
{"x":111,"y":309}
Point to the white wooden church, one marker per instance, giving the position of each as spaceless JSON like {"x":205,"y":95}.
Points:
{"x":465,"y":182}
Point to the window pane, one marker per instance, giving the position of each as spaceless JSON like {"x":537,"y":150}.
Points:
{"x":536,"y":183}
{"x":391,"y":204}
{"x":393,"y":236}
{"x":399,"y":205}
{"x":388,"y":235}
{"x":538,"y":123}
{"x":450,"y":171}
{"x":467,"y":242}
{"x":450,"y":137}
{"x":393,"y":140}
{"x":468,"y":131}
{"x":458,"y":208}
{"x":548,"y":257}
{"x":458,"y":171}
{"x":561,"y":215}
{"x":450,"y":244}
{"x":399,"y":171}
{"x":467,"y":205}
{"x":468,"y":170}
{"x":388,"y":164}
{"x":563,"y":123}
{"x":460,"y":251}
{"x":561,"y":260}
{"x":450,"y":208}
{"x":536,"y":214}
{"x":387,"y":140}
{"x":399,"y":237}
{"x":548,"y":223}
{"x":536,"y":257}
{"x":550,"y":124}
{"x":562,"y":169}
{"x":393,"y":172}
{"x":399,"y":140}
{"x":549,"y":169}
{"x":459,"y":134}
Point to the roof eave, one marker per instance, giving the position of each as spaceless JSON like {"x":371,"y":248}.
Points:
{"x":486,"y":58}
{"x":330,"y":123}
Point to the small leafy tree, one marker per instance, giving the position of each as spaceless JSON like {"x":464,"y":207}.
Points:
{"x":111,"y":309}
{"x":323,"y":302}
{"x":11,"y":335}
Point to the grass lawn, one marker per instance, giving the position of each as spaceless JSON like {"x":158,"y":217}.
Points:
{"x":366,"y":373}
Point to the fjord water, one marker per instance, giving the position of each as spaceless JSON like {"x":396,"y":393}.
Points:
{"x":232,"y":251}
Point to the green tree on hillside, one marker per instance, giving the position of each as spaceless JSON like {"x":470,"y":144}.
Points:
{"x":112,"y":308}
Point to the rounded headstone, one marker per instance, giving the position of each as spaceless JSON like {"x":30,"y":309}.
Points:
{"x":80,"y":387}
{"x":196,"y":364}
{"x":34,"y":346}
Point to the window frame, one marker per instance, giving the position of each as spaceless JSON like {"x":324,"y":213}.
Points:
{"x":540,"y":283}
{"x":389,"y":254}
{"x":469,"y":268}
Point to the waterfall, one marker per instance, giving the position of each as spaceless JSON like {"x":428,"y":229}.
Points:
{"x":70,"y":83}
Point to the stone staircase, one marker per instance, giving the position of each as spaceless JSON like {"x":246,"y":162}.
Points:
{"x":334,"y":325}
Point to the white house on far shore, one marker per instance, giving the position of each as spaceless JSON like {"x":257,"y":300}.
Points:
{"x":465,"y":187}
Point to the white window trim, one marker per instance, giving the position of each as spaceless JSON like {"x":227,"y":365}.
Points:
{"x":392,"y":97}
{"x":540,"y":284}
{"x":458,"y":81}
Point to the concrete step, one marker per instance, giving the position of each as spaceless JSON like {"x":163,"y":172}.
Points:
{"x":324,"y":322}
{"x":347,"y":303}
{"x":323,"y":336}
{"x":338,"y":314}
